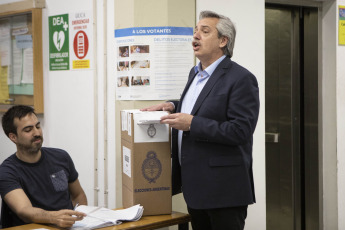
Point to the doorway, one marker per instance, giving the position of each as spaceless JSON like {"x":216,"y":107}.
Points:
{"x":292,"y":152}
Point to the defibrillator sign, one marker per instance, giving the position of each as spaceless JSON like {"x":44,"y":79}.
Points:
{"x":59,"y":42}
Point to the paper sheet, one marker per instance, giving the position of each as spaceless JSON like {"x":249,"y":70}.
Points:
{"x":17,"y":65}
{"x":4,"y":92}
{"x":154,"y":117}
{"x":28,"y":69}
{"x":20,"y":21}
{"x":5,"y":42}
{"x":127,"y":165}
{"x":24,"y":41}
{"x":98,"y":217}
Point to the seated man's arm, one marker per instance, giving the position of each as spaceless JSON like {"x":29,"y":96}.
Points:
{"x":77,"y":193}
{"x":19,"y":203}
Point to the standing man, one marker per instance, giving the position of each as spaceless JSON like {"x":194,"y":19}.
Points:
{"x":37,"y":184}
{"x":213,"y":126}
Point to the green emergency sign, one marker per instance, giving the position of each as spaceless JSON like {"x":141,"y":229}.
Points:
{"x":58,"y":42}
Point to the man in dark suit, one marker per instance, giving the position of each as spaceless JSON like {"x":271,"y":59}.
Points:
{"x":213,"y":126}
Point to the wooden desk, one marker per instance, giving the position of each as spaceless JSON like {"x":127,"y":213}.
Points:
{"x":145,"y":223}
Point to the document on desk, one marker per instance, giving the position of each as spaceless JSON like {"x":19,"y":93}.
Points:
{"x":98,"y":217}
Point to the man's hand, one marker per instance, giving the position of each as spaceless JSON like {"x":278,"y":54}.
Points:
{"x":21,"y":205}
{"x":166,"y":106}
{"x":180,"y":121}
{"x":65,"y":218}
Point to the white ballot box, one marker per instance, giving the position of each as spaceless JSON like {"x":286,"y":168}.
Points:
{"x":146,"y":161}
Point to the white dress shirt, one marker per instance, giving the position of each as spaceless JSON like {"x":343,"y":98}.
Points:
{"x":193,"y":92}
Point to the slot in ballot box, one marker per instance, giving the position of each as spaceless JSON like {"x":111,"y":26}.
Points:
{"x":146,"y":161}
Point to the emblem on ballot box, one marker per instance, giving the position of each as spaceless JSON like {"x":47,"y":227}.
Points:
{"x":151,"y":130}
{"x":151,"y":167}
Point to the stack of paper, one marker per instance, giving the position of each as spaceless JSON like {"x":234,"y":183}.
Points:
{"x":151,"y":117}
{"x":98,"y":217}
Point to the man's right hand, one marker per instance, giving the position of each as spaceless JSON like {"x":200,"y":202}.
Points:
{"x":165,"y":106}
{"x":21,"y":205}
{"x":65,"y":218}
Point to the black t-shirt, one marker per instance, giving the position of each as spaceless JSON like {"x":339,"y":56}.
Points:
{"x":44,"y":182}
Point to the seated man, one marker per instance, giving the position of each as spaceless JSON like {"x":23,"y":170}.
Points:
{"x":37,"y":184}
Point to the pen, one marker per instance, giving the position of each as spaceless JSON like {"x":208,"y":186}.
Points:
{"x":75,"y":207}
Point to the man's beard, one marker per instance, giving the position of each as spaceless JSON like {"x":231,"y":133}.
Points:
{"x":31,"y":149}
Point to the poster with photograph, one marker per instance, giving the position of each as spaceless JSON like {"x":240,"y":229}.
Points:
{"x":153,"y":63}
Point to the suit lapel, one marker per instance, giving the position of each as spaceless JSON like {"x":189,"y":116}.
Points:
{"x":216,"y":75}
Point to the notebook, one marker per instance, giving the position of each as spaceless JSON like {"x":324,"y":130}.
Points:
{"x":99,"y":217}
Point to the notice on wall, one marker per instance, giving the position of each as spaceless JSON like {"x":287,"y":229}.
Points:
{"x":71,"y":41}
{"x":81,"y":31}
{"x":5,"y":42}
{"x":153,"y":63}
{"x":341,"y":29}
{"x":4,"y":92}
{"x":127,"y":168}
{"x":59,"y":42}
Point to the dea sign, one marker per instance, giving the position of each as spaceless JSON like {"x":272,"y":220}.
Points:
{"x":58,"y":42}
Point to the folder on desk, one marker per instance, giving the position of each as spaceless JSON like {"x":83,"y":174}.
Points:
{"x":98,"y":217}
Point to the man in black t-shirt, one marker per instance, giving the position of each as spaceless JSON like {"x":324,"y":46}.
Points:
{"x":37,"y":184}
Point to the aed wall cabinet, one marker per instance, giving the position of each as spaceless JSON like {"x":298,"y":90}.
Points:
{"x":21,"y":62}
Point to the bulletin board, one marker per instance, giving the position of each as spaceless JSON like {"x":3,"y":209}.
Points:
{"x":21,"y":67}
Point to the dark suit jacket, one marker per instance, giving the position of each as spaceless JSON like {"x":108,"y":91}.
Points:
{"x":216,"y":168}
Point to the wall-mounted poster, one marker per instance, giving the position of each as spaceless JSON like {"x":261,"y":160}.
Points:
{"x":81,"y":34}
{"x":341,"y":29}
{"x":59,"y":42}
{"x":71,"y":41}
{"x":153,"y":63}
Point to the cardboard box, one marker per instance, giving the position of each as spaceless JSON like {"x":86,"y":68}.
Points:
{"x":146,"y":162}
